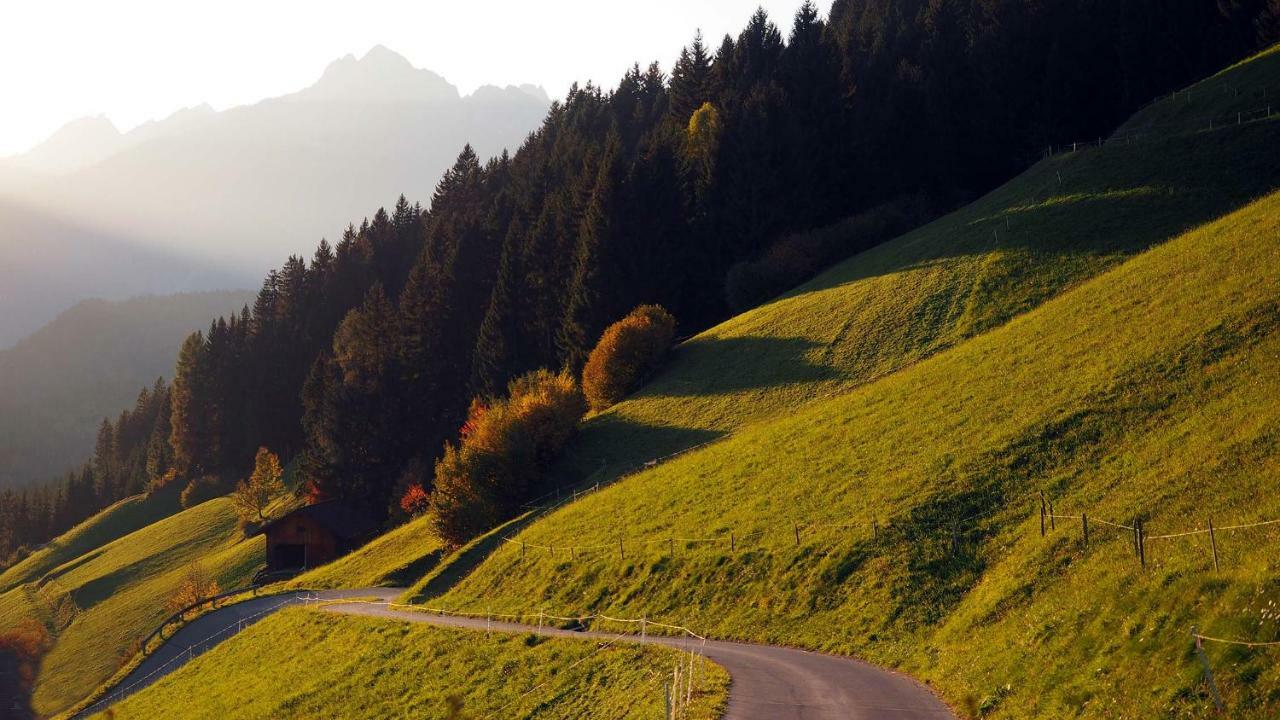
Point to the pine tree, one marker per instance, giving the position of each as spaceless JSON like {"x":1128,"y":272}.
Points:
{"x":586,"y":305}
{"x":190,"y":436}
{"x":691,"y":82}
{"x":104,"y":451}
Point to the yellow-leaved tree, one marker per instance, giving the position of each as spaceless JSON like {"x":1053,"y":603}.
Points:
{"x":254,"y":494}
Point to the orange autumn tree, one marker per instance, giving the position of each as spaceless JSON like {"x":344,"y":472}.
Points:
{"x":21,"y":648}
{"x":628,"y":351}
{"x":195,"y":587}
{"x":503,"y":453}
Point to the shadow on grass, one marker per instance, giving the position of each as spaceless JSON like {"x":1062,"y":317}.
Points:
{"x":1116,"y":199}
{"x":736,"y":364}
{"x":412,"y":571}
{"x":611,"y":446}
{"x":462,"y":561}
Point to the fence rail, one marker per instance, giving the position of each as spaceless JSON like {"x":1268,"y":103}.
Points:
{"x":678,"y":692}
{"x":187,"y":653}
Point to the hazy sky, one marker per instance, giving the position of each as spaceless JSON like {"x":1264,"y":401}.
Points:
{"x":135,"y":60}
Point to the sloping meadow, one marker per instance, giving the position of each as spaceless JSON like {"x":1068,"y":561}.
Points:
{"x":1102,"y":330}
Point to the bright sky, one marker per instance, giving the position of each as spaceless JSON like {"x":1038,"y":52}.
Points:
{"x":136,"y":60}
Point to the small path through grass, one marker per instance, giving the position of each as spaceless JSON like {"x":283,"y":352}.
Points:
{"x":768,"y":683}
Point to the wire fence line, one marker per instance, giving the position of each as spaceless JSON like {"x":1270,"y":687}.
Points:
{"x":678,"y":692}
{"x":792,"y":533}
{"x":1203,"y":123}
{"x":564,"y":494}
{"x":189,"y":652}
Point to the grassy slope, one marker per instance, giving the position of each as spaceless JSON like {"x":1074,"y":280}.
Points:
{"x":111,"y":523}
{"x":1061,"y":222}
{"x":100,"y":602}
{"x":1246,"y":88}
{"x":1148,"y":390}
{"x":304,"y":664}
{"x":395,"y":558}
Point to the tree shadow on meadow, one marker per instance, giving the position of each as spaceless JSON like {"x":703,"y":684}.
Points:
{"x":709,"y":366}
{"x":1117,"y":199}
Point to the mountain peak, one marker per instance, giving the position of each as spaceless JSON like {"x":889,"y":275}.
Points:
{"x":383,"y":56}
{"x":380,"y":75}
{"x":77,"y":144}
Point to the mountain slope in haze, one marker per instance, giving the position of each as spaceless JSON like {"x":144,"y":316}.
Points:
{"x":57,"y":384}
{"x":253,"y":184}
{"x":48,"y":263}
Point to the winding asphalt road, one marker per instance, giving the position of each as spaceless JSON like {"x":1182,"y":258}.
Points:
{"x":768,"y":682}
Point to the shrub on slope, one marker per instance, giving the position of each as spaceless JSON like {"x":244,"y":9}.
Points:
{"x":506,"y":447}
{"x":627,"y":352}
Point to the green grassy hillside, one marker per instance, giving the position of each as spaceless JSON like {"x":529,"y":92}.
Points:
{"x":1063,"y":221}
{"x":120,"y":519}
{"x":1115,"y":345}
{"x":305,"y":664}
{"x":99,"y":603}
{"x":1147,"y":392}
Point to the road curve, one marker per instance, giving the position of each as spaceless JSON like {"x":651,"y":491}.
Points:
{"x":206,"y":631}
{"x":767,"y":682}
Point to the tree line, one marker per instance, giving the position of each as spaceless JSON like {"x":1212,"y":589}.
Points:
{"x":363,"y":362}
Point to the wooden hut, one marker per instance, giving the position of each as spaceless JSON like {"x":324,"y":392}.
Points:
{"x":315,"y":534}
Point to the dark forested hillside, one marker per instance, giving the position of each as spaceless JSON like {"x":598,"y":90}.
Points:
{"x":365,"y":359}
{"x":57,"y":384}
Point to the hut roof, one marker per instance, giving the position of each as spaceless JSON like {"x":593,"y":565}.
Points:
{"x":339,"y":519}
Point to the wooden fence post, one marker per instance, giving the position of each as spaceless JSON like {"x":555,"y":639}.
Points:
{"x":622,"y":553}
{"x":1084,"y":522}
{"x":733,"y":544}
{"x":797,"y":529}
{"x":875,"y":530}
{"x":1041,"y":514}
{"x":671,"y":543}
{"x":1208,"y":673}
{"x":522,"y":550}
{"x":1213,"y":543}
{"x":1142,"y":546}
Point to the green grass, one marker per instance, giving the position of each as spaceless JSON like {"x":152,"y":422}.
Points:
{"x":103,"y":601}
{"x":394,"y":559}
{"x":111,"y":523}
{"x":305,"y":664}
{"x":1115,"y":346}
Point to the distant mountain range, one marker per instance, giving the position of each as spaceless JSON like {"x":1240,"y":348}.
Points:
{"x":58,"y":384}
{"x":206,"y":199}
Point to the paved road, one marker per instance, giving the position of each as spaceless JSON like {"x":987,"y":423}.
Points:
{"x":768,"y":683}
{"x":206,"y":631}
